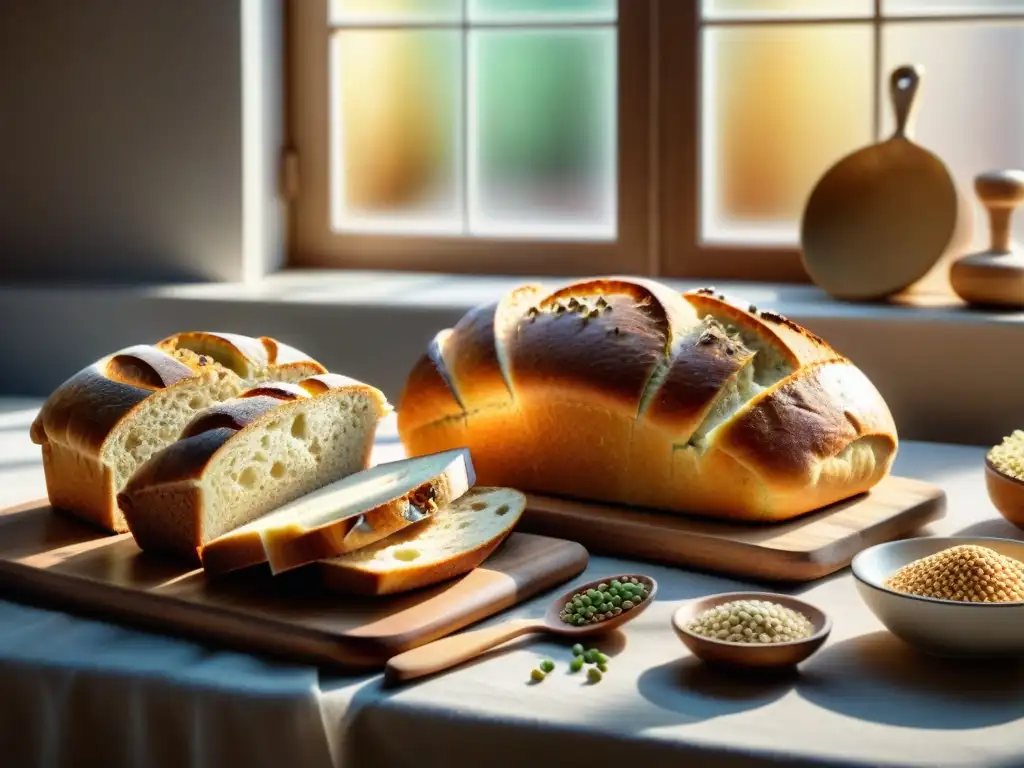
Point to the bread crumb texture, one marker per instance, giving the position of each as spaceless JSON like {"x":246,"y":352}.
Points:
{"x":1008,"y":456}
{"x":305,"y":445}
{"x":463,"y":525}
{"x":968,"y":574}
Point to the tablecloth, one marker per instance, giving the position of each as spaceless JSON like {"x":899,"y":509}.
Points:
{"x":74,"y":691}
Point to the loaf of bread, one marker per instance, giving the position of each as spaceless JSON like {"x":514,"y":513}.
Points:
{"x":106,"y":420}
{"x":348,"y":514}
{"x":452,"y":542}
{"x":622,"y":390}
{"x":241,"y":458}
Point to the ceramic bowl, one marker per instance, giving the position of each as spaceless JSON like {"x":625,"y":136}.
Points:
{"x":1006,"y":493}
{"x":750,"y":655}
{"x":939,"y":627}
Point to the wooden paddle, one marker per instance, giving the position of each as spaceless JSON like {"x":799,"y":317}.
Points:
{"x":883,"y":216}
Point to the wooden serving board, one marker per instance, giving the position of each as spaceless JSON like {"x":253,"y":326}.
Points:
{"x":48,"y":558}
{"x":803,"y":549}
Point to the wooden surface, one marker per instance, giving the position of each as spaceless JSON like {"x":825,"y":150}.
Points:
{"x":49,"y":559}
{"x":882,"y":218}
{"x":994,"y":277}
{"x":803,"y":549}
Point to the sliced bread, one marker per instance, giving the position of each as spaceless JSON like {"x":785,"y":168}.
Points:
{"x":346,"y":515}
{"x":101,"y":424}
{"x":451,"y":542}
{"x":242,"y":458}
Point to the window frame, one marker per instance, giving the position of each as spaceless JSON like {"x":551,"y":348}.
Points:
{"x":312,"y":243}
{"x":683,"y":253}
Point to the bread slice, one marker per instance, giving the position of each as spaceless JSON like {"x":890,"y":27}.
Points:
{"x":350,"y":513}
{"x":453,"y":541}
{"x":246,"y":456}
{"x":101,"y":424}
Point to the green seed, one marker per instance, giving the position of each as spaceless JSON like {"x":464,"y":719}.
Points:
{"x":586,"y":600}
{"x":589,"y":613}
{"x":602,"y":666}
{"x":537,"y":675}
{"x":616,"y":601}
{"x":601,"y":658}
{"x":594,"y":652}
{"x":577,"y":650}
{"x":547,"y":665}
{"x":588,"y":657}
{"x":616,"y":583}
{"x":578,"y":602}
{"x":576,"y":664}
{"x":594,"y":674}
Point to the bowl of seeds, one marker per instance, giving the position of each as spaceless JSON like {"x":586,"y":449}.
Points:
{"x":1004,"y":477}
{"x":751,"y":629}
{"x":947,"y":596}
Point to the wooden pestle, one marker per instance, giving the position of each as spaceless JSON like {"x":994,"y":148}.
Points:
{"x":994,"y":277}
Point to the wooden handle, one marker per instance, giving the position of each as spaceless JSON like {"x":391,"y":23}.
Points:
{"x":450,"y":651}
{"x":1000,"y":192}
{"x":904,"y":83}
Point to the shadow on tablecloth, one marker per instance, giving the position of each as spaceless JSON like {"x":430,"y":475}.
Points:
{"x":877,"y":678}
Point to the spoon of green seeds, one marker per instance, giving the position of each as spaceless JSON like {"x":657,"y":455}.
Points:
{"x":587,"y":610}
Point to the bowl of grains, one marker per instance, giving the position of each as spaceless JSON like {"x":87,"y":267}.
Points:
{"x":751,"y":629}
{"x":1004,"y":477}
{"x":959,"y":596}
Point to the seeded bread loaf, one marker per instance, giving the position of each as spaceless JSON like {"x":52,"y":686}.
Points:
{"x":348,"y":514}
{"x":622,"y":390}
{"x":97,"y":427}
{"x":450,"y":543}
{"x":239,"y":459}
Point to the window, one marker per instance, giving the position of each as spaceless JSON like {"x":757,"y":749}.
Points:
{"x":476,"y":135}
{"x":672,"y":137}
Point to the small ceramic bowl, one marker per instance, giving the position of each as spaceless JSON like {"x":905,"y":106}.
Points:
{"x":768,"y":655}
{"x":1006,"y":493}
{"x":939,"y":627}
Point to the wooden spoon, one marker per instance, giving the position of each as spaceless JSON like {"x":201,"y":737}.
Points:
{"x":451,"y":651}
{"x":882,"y":217}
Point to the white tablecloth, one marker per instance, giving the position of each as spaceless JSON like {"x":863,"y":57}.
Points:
{"x":81,"y":692}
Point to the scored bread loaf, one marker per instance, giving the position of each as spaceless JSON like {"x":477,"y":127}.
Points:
{"x":622,"y":390}
{"x":350,"y":513}
{"x":97,"y":427}
{"x":241,"y":458}
{"x":452,"y":542}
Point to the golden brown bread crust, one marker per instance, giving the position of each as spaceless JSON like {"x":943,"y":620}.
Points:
{"x":624,"y":391}
{"x":75,"y":425}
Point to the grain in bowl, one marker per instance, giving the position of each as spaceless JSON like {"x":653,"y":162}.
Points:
{"x":967,"y":573}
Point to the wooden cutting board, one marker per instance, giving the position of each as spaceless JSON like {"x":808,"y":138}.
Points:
{"x":48,"y":558}
{"x":803,"y":549}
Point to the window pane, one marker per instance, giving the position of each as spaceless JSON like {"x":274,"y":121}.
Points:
{"x":766,"y":9}
{"x":542,"y":133}
{"x":542,"y":10}
{"x":949,"y":7}
{"x":396,"y":152}
{"x":780,"y":105}
{"x":971,"y":106}
{"x":394,"y":11}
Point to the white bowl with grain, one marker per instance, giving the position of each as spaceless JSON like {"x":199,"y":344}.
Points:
{"x":940,"y":627}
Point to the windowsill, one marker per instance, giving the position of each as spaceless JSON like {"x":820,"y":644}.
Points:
{"x":463,"y":291}
{"x":943,"y":369}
